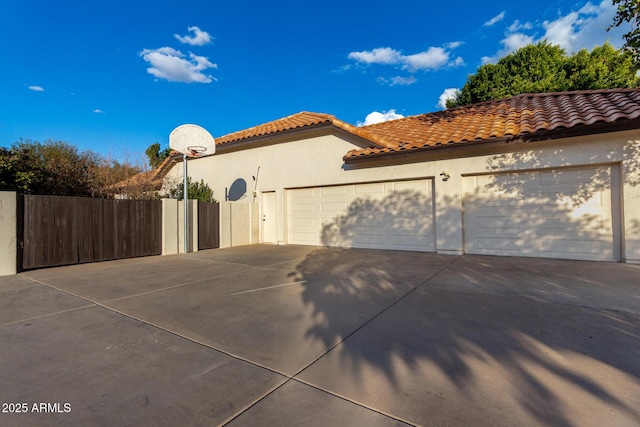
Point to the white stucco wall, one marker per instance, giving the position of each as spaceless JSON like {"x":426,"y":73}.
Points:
{"x":192,"y":210}
{"x":169,"y":226}
{"x":317,"y":161}
{"x":238,"y":224}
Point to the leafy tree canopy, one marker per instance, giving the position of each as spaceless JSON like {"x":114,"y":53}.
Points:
{"x":544,"y":67}
{"x":57,"y":168}
{"x":195,"y":190}
{"x":155,"y":155}
{"x":629,"y":11}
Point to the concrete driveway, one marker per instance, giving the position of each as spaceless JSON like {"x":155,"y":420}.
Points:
{"x":294,"y":335}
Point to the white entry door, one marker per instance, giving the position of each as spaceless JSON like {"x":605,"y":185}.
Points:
{"x":269,"y":217}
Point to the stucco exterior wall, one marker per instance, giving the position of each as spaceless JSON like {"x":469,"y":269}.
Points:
{"x":317,"y":161}
{"x":192,"y":211}
{"x":169,"y":226}
{"x":238,"y":224}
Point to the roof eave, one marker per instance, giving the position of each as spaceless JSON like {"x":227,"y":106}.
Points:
{"x":578,"y":130}
{"x":370,"y":138}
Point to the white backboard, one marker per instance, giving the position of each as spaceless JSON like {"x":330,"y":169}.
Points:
{"x":192,"y":140}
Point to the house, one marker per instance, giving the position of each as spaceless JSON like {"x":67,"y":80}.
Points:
{"x":553,"y":175}
{"x":145,"y":184}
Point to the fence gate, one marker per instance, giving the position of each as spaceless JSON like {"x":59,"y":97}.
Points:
{"x":60,"y":230}
{"x":208,"y":225}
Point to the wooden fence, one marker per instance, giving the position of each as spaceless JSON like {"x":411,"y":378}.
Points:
{"x":60,"y":230}
{"x":208,"y":225}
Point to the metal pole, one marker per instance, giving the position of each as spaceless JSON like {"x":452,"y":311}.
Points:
{"x":186,"y":208}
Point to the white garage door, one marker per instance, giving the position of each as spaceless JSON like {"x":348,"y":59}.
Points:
{"x":381,"y":215}
{"x":564,"y":213}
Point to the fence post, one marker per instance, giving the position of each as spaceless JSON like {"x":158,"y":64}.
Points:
{"x":193,"y":225}
{"x":169,"y":226}
{"x":225,"y":224}
{"x":192,"y":208}
{"x":8,"y":233}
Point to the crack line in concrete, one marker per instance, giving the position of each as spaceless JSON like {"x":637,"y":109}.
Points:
{"x":42,"y":316}
{"x":267,"y":288}
{"x":153,"y":291}
{"x":288,"y":378}
{"x":293,"y":377}
{"x":162,"y":328}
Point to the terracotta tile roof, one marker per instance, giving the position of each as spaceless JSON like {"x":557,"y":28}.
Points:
{"x":296,"y":122}
{"x":520,"y":116}
{"x":150,"y":180}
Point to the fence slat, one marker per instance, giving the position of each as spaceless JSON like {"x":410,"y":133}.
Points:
{"x":61,"y":230}
{"x":208,"y":225}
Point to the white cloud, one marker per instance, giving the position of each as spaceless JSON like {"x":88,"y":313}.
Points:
{"x":200,"y":38}
{"x":431,"y":59}
{"x":489,"y":59}
{"x":170,"y":64}
{"x":582,"y":28}
{"x":98,"y":111}
{"x":510,"y":43}
{"x":397,"y":80}
{"x":499,"y":17}
{"x":458,"y":62}
{"x":36,"y":88}
{"x":453,"y":45}
{"x":381,"y":55}
{"x":449,"y":93}
{"x":518,"y":26}
{"x":403,"y":81}
{"x":376,"y":117}
{"x":342,"y":69}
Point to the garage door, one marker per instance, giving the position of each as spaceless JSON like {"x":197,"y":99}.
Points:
{"x":381,"y":215}
{"x":565,"y":213}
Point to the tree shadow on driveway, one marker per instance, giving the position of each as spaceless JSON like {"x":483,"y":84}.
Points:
{"x":538,"y":361}
{"x":429,"y":352}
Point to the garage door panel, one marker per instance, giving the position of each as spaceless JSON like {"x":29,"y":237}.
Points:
{"x":515,"y":244}
{"x":496,"y":202}
{"x":594,"y":224}
{"x":564,"y":246}
{"x":421,"y":186}
{"x":333,"y":207}
{"x":392,"y":215}
{"x":368,"y":239}
{"x":337,"y":191}
{"x":377,"y":188}
{"x":303,"y":207}
{"x":516,"y":221}
{"x":304,"y":223}
{"x":411,"y":225}
{"x":561,"y":214}
{"x":302,"y":194}
{"x":307,"y":238}
{"x":416,"y":210}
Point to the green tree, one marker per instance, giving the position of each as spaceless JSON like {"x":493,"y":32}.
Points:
{"x":53,"y":168}
{"x":155,"y":155}
{"x":195,"y":190}
{"x":58,"y":168}
{"x":544,"y":67}
{"x":629,"y":11}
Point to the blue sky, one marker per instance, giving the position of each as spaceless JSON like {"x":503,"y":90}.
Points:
{"x":116,"y":76}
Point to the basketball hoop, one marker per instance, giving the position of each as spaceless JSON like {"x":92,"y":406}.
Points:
{"x":196,"y":150}
{"x":180,"y":140}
